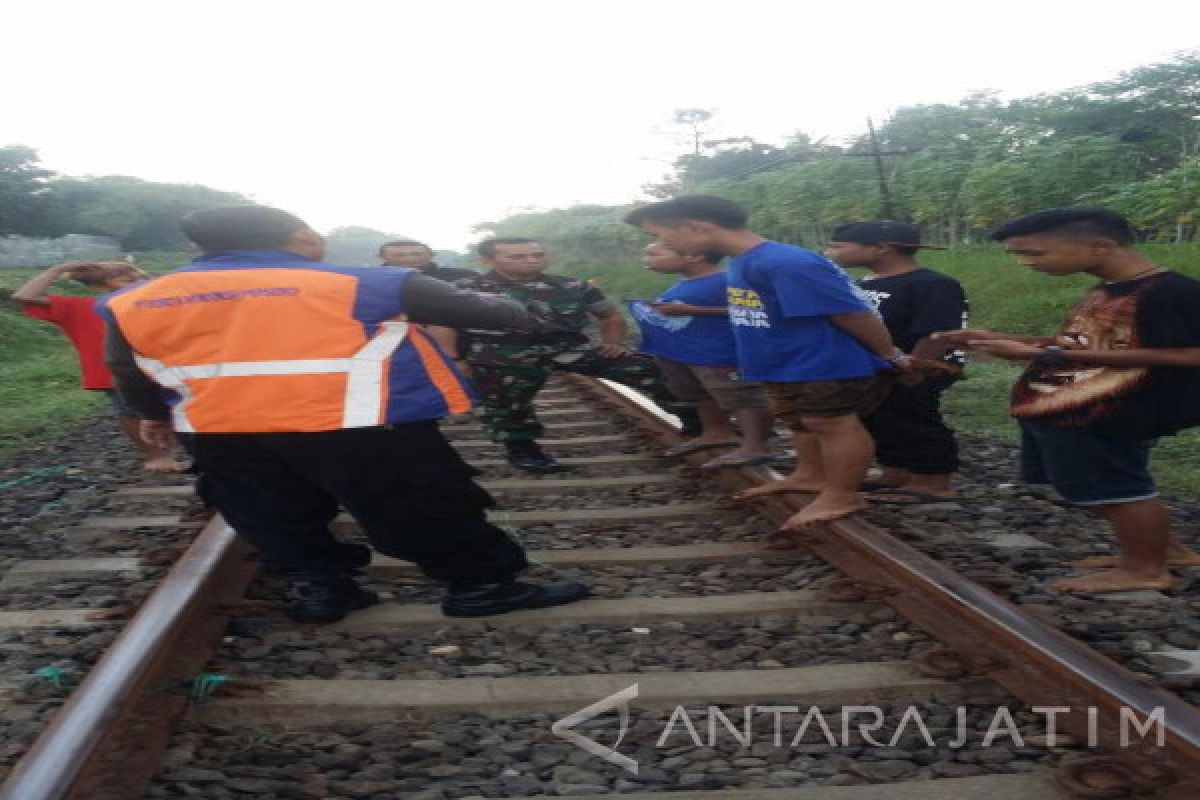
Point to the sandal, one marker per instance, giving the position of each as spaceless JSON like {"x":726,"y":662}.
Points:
{"x":695,"y":447}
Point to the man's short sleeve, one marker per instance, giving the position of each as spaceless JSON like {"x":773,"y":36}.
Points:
{"x":940,"y":307}
{"x":595,"y":301}
{"x":56,"y":310}
{"x":1168,"y":315}
{"x":811,"y":286}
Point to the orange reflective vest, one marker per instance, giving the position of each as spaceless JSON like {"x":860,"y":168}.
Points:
{"x":263,"y":341}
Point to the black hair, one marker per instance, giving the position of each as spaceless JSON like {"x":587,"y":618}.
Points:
{"x":1073,"y":223}
{"x":695,"y":207}
{"x":216,"y":230}
{"x":404,"y":243}
{"x":713,"y":257}
{"x":487,"y":247}
{"x":907,"y":250}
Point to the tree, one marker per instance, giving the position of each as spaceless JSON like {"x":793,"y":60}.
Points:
{"x":143,"y":215}
{"x":21,"y":182}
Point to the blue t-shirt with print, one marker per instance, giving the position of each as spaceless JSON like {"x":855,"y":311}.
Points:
{"x":780,"y":300}
{"x":704,"y":341}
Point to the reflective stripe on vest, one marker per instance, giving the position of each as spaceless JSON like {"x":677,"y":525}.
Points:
{"x":365,"y":376}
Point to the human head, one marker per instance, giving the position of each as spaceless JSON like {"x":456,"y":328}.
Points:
{"x":864,"y":244}
{"x":405,"y":253}
{"x":106,"y":276}
{"x":692,"y":223}
{"x":660,"y":258}
{"x":514,"y":257}
{"x":1065,"y":241}
{"x":225,"y":228}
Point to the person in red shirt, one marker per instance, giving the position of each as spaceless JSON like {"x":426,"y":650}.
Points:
{"x":77,"y":318}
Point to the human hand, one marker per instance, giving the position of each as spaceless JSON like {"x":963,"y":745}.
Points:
{"x":608,"y":350}
{"x":157,"y":433}
{"x":1006,"y":349}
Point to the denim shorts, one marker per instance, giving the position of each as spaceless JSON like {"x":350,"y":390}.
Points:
{"x":1086,"y":469}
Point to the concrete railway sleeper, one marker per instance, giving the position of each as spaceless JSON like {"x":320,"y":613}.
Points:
{"x":705,"y":666}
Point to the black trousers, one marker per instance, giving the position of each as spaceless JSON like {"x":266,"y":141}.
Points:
{"x":405,"y":485}
{"x":910,"y":433}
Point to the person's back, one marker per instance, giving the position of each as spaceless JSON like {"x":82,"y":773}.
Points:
{"x":299,"y":390}
{"x":282,"y":318}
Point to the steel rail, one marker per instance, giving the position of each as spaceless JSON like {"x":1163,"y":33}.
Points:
{"x":107,"y":740}
{"x":1034,"y":661}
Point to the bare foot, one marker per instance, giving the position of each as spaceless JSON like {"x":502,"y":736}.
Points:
{"x":1113,"y":580}
{"x":827,"y":507}
{"x":164,"y":464}
{"x":810,"y":485}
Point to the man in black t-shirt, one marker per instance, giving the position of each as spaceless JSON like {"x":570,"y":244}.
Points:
{"x":915,"y":447}
{"x":1123,"y":371}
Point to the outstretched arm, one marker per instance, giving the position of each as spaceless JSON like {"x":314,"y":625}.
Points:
{"x":430,"y":301}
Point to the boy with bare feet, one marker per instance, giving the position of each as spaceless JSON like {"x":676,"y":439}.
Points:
{"x":914,"y":445}
{"x":805,"y":330}
{"x":77,"y":318}
{"x":1124,"y":370}
{"x":687,"y":330}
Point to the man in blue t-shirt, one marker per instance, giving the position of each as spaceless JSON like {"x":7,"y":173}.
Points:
{"x":805,"y":330}
{"x":686,"y":328}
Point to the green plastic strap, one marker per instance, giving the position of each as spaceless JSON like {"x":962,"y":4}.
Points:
{"x":52,"y":675}
{"x":204,"y":684}
{"x":38,"y":472}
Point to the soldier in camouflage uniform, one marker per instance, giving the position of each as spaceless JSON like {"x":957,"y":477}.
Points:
{"x":509,"y":369}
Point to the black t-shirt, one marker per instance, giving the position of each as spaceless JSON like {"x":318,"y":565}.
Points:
{"x":1158,"y":311}
{"x":916,"y":304}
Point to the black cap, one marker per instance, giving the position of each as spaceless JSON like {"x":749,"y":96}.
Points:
{"x":881,"y":232}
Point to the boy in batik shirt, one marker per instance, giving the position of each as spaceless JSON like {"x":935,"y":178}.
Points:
{"x":1123,"y":371}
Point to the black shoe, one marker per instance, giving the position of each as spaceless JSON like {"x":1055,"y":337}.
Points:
{"x":500,"y":598}
{"x":530,"y":457}
{"x":326,"y":598}
{"x":690,"y":421}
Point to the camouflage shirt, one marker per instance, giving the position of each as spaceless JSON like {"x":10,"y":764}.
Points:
{"x":564,"y":302}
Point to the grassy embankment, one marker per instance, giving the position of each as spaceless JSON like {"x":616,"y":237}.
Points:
{"x":39,"y":376}
{"x":1005,"y":297}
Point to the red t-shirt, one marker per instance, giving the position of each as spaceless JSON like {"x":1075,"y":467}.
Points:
{"x":84,"y":327}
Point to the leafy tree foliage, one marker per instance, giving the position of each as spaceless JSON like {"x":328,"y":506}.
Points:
{"x":143,"y":215}
{"x":1131,"y":143}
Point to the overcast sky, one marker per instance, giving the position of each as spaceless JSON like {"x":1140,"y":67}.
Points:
{"x":426,"y":118}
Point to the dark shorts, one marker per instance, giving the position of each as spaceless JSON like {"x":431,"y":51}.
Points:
{"x":1086,"y":469}
{"x":119,"y":406}
{"x":690,"y":382}
{"x":792,"y":402}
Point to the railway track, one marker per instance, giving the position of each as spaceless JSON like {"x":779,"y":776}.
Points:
{"x":705,"y":666}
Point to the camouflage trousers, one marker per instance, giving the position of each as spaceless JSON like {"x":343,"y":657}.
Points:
{"x":507,"y":388}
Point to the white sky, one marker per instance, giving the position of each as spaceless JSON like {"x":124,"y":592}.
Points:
{"x":425,"y":118}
